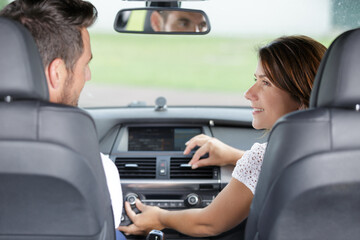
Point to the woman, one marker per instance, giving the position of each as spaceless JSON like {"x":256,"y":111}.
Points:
{"x":283,"y":80}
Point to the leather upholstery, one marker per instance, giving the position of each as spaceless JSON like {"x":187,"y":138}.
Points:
{"x":52,"y":182}
{"x":309,"y":184}
{"x":21,"y":75}
{"x":337,"y":81}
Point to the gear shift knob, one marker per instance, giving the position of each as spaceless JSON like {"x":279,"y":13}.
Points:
{"x":155,"y":235}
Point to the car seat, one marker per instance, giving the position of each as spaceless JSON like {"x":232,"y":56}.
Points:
{"x":309,"y":185}
{"x":52,"y":182}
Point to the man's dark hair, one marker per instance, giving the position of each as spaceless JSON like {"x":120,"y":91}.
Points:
{"x":55,"y":25}
{"x":164,"y":15}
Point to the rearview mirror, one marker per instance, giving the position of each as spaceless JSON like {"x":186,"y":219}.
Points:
{"x":162,"y":21}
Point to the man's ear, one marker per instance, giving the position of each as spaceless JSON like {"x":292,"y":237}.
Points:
{"x":156,"y":21}
{"x":56,"y":75}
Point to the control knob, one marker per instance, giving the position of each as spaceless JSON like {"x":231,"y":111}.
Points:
{"x":192,"y":200}
{"x":131,"y":198}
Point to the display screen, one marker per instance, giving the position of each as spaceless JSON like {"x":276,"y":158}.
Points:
{"x":160,"y":138}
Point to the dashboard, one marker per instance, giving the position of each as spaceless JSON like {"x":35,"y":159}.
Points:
{"x":147,"y":148}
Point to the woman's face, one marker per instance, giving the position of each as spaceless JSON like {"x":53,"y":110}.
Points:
{"x":269,"y":103}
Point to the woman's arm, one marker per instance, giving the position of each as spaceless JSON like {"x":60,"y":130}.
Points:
{"x":220,"y":154}
{"x":228,"y":209}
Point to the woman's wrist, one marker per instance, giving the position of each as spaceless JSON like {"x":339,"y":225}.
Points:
{"x":236,"y":156}
{"x":162,"y":218}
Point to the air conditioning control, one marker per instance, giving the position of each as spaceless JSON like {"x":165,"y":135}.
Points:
{"x":192,"y":200}
{"x":131,"y":198}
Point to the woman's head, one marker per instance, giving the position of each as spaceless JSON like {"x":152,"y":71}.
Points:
{"x":285,"y":75}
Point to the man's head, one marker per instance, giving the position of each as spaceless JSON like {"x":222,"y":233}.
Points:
{"x":59,"y":30}
{"x":178,"y":21}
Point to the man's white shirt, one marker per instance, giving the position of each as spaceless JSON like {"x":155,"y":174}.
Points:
{"x":114,"y":186}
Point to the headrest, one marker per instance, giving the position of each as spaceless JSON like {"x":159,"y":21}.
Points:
{"x":337,"y":82}
{"x":21,"y":70}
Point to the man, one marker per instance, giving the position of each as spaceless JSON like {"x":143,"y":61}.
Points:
{"x":59,"y":28}
{"x":178,"y":21}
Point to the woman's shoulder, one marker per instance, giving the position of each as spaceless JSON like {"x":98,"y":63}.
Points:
{"x":258,"y":147}
{"x":248,"y":167}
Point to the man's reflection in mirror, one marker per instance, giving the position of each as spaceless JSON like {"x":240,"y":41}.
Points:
{"x":178,"y":21}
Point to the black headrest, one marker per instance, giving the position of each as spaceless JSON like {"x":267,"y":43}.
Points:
{"x":21,"y":70}
{"x":337,"y":83}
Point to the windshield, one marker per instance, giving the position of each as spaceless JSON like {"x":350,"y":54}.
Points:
{"x":202,"y":70}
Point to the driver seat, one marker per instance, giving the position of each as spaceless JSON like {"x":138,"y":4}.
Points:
{"x":52,"y":182}
{"x":309,"y":185}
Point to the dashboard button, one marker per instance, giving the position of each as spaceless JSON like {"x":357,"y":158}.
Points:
{"x":163,"y":168}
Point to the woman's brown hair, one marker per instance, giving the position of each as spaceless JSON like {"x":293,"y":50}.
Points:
{"x":291,"y":64}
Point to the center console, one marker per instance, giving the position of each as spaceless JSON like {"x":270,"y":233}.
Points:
{"x":152,"y":167}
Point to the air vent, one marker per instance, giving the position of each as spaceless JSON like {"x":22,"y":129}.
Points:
{"x":139,"y":168}
{"x":179,"y":169}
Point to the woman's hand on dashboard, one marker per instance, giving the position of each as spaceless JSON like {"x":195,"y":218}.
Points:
{"x":219,"y":153}
{"x":143,"y":222}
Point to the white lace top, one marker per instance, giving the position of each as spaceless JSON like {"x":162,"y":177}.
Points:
{"x":248,"y":167}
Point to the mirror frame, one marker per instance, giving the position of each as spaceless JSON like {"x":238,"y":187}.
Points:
{"x":120,"y":30}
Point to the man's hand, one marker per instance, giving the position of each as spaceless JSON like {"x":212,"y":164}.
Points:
{"x":220,"y":154}
{"x":144,"y":222}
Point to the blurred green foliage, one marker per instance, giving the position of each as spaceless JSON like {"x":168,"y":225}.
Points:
{"x":221,"y":64}
{"x":179,"y":62}
{"x":3,"y":3}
